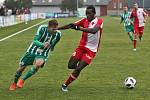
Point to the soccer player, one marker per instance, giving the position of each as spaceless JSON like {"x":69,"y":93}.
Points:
{"x":44,"y":41}
{"x":140,"y":18}
{"x":125,"y":18}
{"x":91,"y":27}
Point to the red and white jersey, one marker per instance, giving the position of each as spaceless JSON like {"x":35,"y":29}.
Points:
{"x":138,"y":16}
{"x":89,"y":40}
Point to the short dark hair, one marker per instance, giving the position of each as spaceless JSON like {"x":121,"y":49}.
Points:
{"x":91,"y":7}
{"x":53,"y":22}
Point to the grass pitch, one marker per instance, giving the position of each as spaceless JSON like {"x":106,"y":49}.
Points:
{"x":102,"y":80}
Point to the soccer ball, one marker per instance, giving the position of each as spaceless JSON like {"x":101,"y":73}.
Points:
{"x":130,"y":82}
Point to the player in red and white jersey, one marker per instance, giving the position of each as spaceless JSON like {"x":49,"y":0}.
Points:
{"x":140,"y":18}
{"x":88,"y":46}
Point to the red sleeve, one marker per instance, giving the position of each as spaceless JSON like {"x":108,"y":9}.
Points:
{"x":132,"y":15}
{"x":80,"y":22}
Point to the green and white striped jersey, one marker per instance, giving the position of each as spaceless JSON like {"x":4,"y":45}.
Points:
{"x":125,"y":18}
{"x":42,"y":36}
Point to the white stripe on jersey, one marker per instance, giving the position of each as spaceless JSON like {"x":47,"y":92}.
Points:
{"x":140,"y":15}
{"x":93,"y":39}
{"x":29,"y":47}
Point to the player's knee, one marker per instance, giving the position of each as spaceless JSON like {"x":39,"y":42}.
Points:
{"x":76,"y":72}
{"x":78,"y":69}
{"x":71,"y":66}
{"x":39,"y":63}
{"x":21,"y":69}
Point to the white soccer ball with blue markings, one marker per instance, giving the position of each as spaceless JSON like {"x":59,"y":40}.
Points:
{"x":130,"y":82}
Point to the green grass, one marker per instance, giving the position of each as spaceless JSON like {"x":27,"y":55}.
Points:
{"x":102,"y":80}
{"x":16,"y":28}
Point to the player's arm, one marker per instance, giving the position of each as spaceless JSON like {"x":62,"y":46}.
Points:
{"x":98,"y":26}
{"x":37,"y":37}
{"x":90,"y":30}
{"x":71,"y":25}
{"x":132,"y":15}
{"x":56,"y":40}
{"x":145,"y":16}
{"x":37,"y":42}
{"x":65,"y":27}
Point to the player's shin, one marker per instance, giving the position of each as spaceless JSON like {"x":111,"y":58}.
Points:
{"x":17,"y":76}
{"x":31,"y":72}
{"x":73,"y":76}
{"x":140,"y":36}
{"x":70,"y":79}
{"x":135,"y":42}
{"x":130,"y":36}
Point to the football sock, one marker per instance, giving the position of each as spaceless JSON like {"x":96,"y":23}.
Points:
{"x":134,"y":44}
{"x":31,"y":72}
{"x":70,"y":80}
{"x":130,"y":36}
{"x":17,"y":75}
{"x":140,"y":37}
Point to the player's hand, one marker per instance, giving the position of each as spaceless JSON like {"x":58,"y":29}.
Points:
{"x":144,"y":21}
{"x":46,"y":45}
{"x":73,"y":26}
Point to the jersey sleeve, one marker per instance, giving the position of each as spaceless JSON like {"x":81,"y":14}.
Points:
{"x":55,"y":40}
{"x":80,"y":22}
{"x":38,"y":36}
{"x":132,"y":15}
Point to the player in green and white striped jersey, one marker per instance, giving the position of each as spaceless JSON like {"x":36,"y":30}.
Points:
{"x":44,"y":42}
{"x":125,"y":18}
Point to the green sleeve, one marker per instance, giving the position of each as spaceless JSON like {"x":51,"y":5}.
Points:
{"x":56,"y":40}
{"x":37,"y":37}
{"x":37,"y":42}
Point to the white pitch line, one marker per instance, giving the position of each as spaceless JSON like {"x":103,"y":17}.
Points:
{"x":22,"y":31}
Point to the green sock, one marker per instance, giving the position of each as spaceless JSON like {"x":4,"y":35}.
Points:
{"x":131,"y":36}
{"x":17,"y":75}
{"x":31,"y":72}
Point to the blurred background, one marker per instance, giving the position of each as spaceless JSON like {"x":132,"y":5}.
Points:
{"x":16,"y":11}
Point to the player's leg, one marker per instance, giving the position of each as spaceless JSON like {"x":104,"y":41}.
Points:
{"x":17,"y":75}
{"x":129,"y":31}
{"x":73,"y":76}
{"x":26,"y":60}
{"x":37,"y":64}
{"x":77,"y":70}
{"x":73,"y":62}
{"x":141,"y":31}
{"x":130,"y":36}
{"x":86,"y":58}
{"x":136,"y":31}
{"x":134,"y":41}
{"x":75,"y":58}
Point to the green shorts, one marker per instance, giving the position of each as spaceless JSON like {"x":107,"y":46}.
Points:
{"x":129,"y":28}
{"x":28,"y":59}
